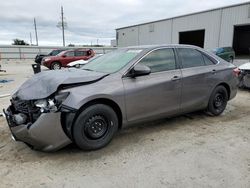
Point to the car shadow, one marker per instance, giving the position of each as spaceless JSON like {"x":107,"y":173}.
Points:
{"x":133,"y":138}
{"x":132,"y":135}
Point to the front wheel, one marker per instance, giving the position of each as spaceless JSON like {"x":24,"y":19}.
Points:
{"x":218,"y":101}
{"x":95,"y":127}
{"x":55,"y":66}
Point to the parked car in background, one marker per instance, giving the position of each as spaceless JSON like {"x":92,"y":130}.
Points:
{"x":66,"y":57}
{"x":80,"y":63}
{"x":39,"y":57}
{"x":124,"y":87}
{"x":226,"y":53}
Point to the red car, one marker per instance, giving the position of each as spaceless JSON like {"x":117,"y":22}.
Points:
{"x":65,"y":57}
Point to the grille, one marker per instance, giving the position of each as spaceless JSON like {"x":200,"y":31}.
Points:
{"x":21,"y":106}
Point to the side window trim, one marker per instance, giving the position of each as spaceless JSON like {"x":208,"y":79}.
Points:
{"x":69,"y":53}
{"x":210,"y":58}
{"x":126,"y":74}
{"x":158,"y":49}
{"x":180,"y":60}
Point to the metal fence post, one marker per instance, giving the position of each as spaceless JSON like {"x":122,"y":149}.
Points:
{"x":20,"y":55}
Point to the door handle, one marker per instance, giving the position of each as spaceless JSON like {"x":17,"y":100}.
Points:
{"x":175,"y":78}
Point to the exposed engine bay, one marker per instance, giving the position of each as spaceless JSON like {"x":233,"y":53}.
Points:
{"x":244,"y":76}
{"x":28,"y":111}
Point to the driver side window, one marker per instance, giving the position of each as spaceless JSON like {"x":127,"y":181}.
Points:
{"x":160,"y":60}
{"x":70,"y":54}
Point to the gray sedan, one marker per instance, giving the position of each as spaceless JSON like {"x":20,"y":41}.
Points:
{"x":128,"y":86}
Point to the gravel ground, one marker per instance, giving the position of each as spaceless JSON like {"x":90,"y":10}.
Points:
{"x":193,"y":150}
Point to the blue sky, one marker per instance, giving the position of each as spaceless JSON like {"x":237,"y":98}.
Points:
{"x":88,"y":20}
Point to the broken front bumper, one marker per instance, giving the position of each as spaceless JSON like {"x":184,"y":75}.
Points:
{"x":45,"y":134}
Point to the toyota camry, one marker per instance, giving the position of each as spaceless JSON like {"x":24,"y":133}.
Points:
{"x":128,"y":86}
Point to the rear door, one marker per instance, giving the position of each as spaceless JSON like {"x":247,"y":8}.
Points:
{"x":81,"y":55}
{"x":69,"y":57}
{"x":156,"y":94}
{"x":197,"y":72}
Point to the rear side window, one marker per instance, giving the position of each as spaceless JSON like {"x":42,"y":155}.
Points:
{"x":81,"y":53}
{"x":208,"y":61}
{"x":70,"y":54}
{"x":190,"y":58}
{"x":160,"y":60}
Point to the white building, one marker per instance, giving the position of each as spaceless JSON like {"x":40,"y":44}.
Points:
{"x":225,"y":26}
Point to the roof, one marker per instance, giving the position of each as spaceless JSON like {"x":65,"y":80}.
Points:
{"x":160,"y":46}
{"x":78,"y":49}
{"x":209,"y":10}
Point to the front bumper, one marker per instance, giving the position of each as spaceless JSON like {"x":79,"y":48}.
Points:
{"x":45,"y":63}
{"x":45,"y":134}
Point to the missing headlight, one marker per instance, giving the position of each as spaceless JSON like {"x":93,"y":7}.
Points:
{"x":41,"y":103}
{"x":51,"y":105}
{"x":46,"y":105}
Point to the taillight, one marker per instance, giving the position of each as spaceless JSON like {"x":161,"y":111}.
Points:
{"x":236,"y":72}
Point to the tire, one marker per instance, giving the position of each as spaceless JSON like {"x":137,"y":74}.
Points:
{"x":55,"y":66}
{"x":95,"y":127}
{"x":218,"y":101}
{"x":231,"y":59}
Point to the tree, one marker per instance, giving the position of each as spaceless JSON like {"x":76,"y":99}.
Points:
{"x":19,"y":42}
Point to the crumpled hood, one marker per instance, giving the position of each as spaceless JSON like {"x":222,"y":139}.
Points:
{"x":45,"y":83}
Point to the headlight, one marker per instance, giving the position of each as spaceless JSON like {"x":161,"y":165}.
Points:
{"x":51,"y":105}
{"x":47,"y":59}
{"x":46,"y":105}
{"x":41,"y":103}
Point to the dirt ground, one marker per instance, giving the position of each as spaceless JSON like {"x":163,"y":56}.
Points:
{"x":192,"y":150}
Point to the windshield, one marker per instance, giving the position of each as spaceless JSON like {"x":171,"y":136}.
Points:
{"x":113,"y":61}
{"x":60,"y":54}
{"x":54,"y":52}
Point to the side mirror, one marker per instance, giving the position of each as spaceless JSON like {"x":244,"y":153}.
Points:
{"x":64,"y":55}
{"x":140,"y":70}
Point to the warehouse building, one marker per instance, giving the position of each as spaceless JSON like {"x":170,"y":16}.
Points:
{"x":225,"y":26}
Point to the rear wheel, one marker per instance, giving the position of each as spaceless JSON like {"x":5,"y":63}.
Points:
{"x":231,"y":59}
{"x":55,"y":66}
{"x":95,"y":127}
{"x":218,"y":101}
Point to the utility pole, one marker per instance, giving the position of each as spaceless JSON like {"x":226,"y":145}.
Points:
{"x":30,"y":39}
{"x":62,"y":25}
{"x":36,"y":31}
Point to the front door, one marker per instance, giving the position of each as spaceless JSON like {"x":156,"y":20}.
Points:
{"x":156,"y":94}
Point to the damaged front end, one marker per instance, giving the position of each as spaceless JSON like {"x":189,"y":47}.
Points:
{"x":38,"y":122}
{"x":36,"y":111}
{"x":244,"y":77}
